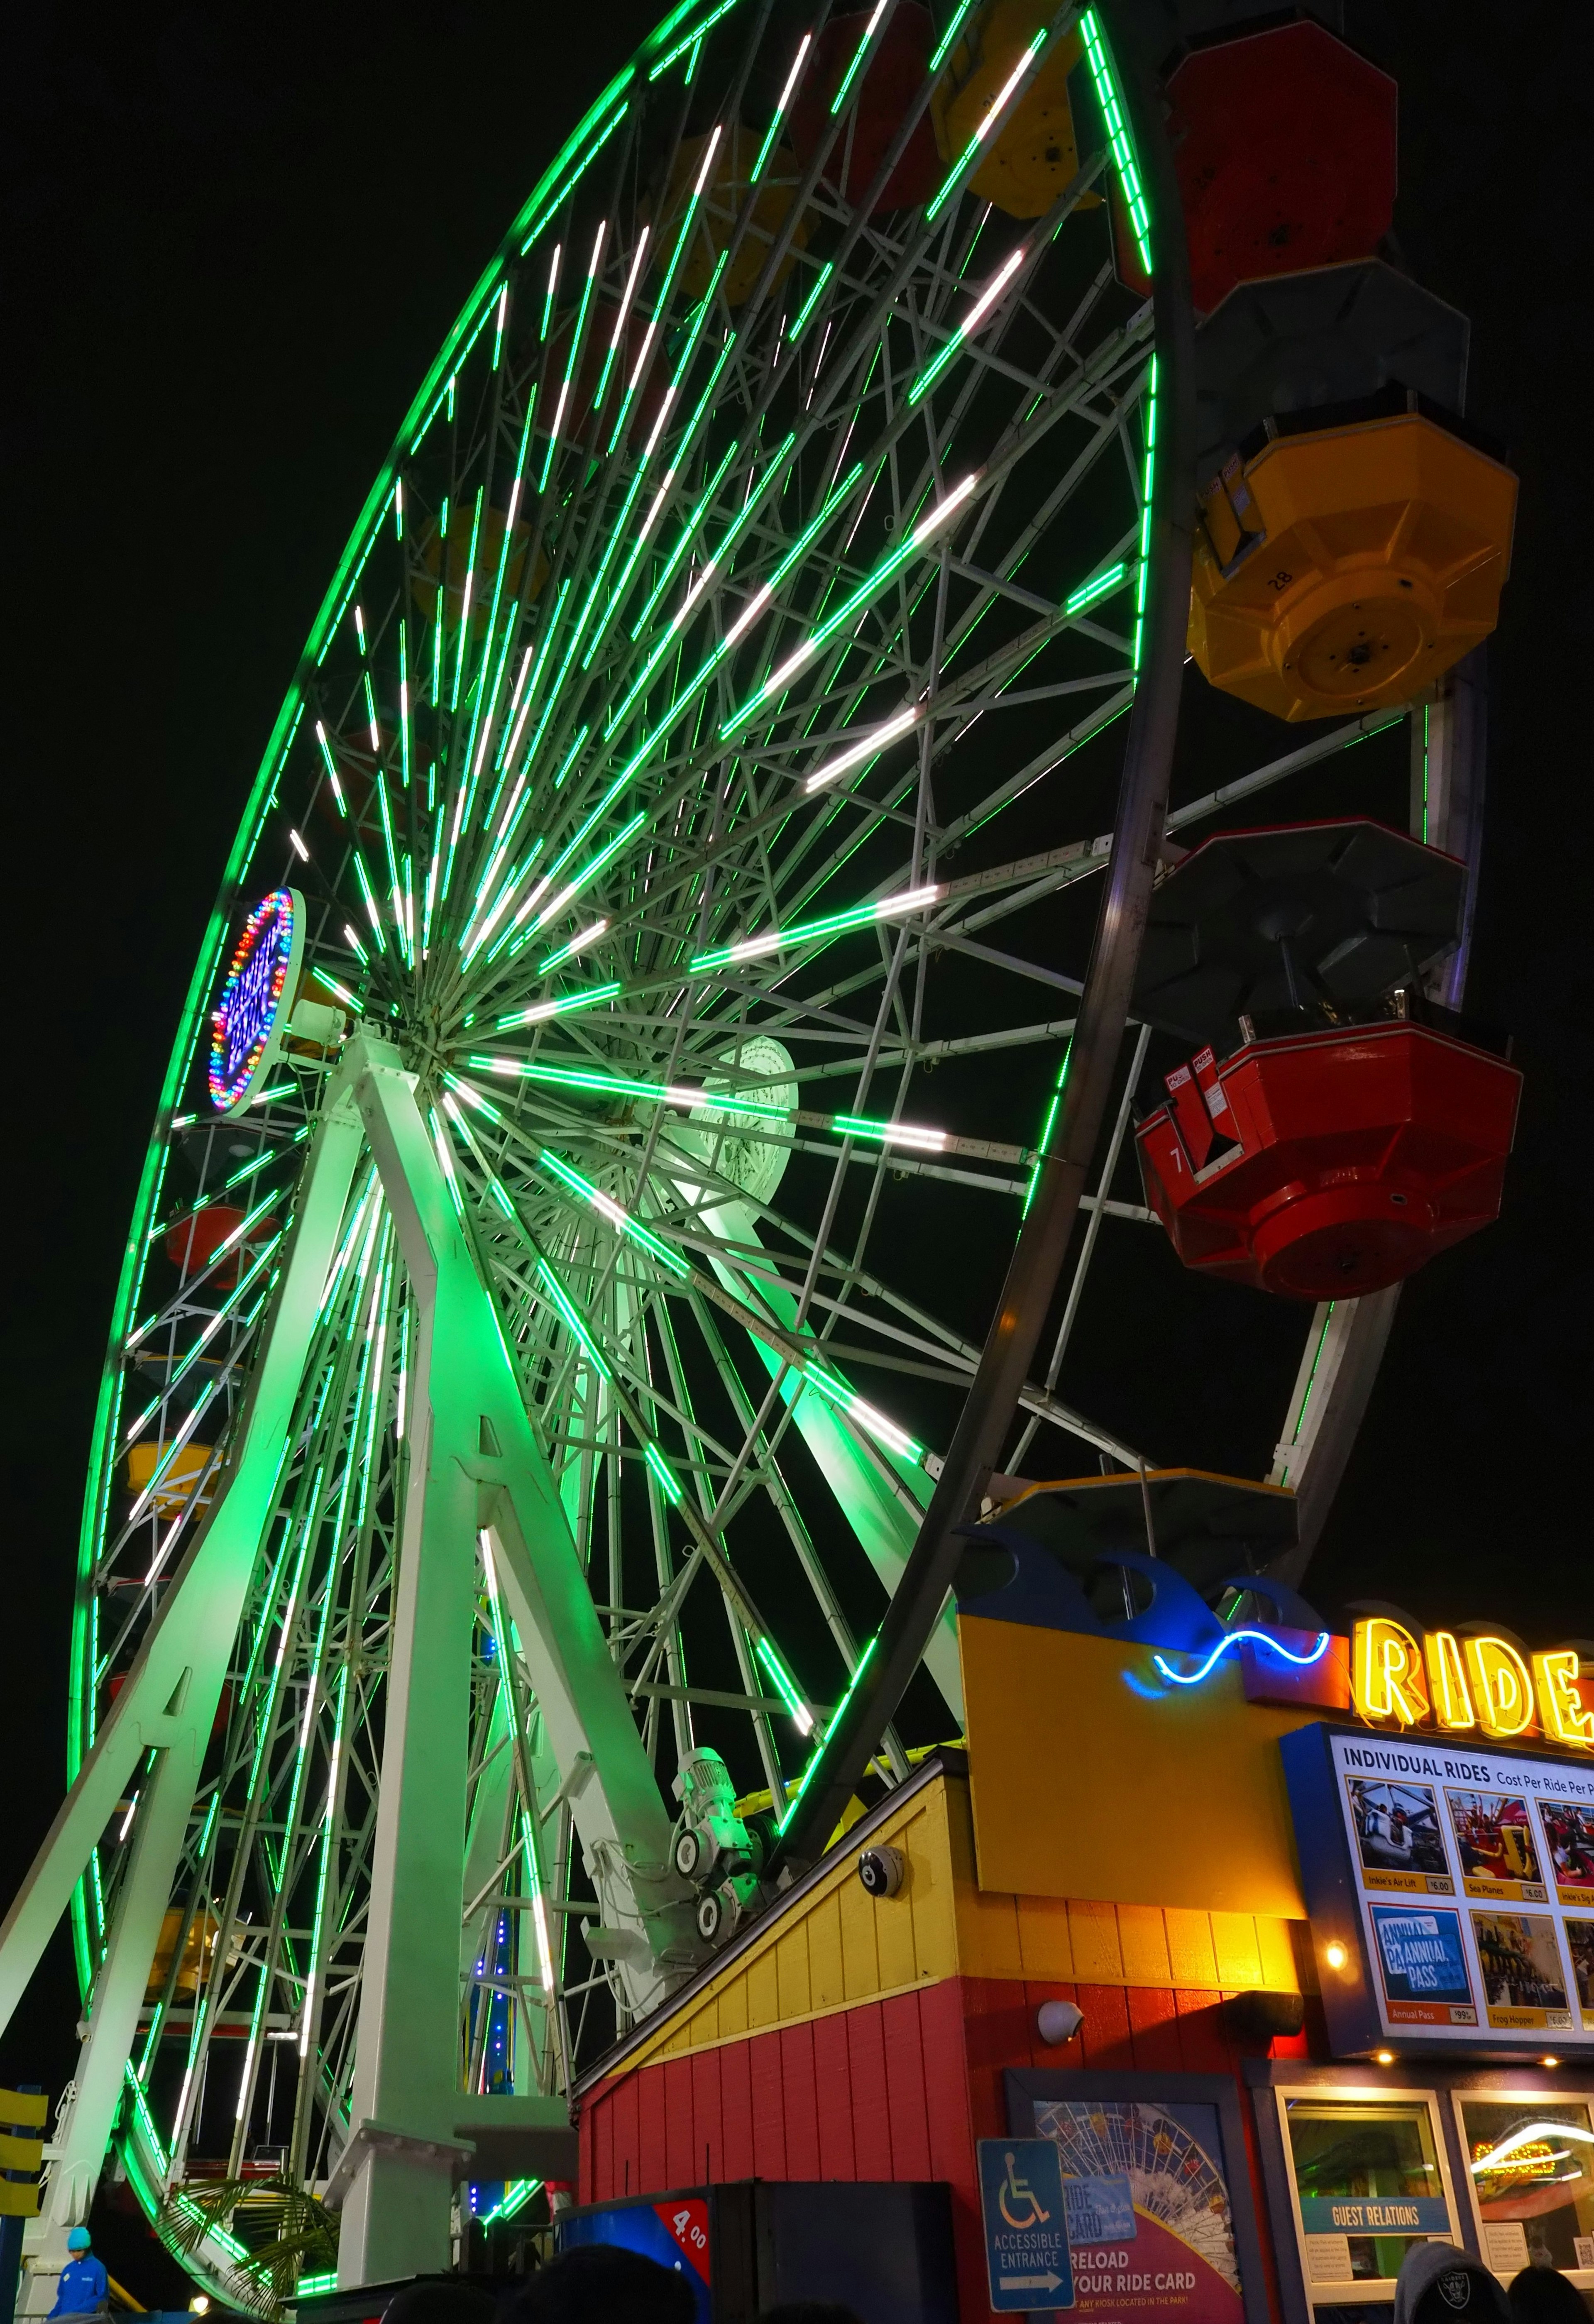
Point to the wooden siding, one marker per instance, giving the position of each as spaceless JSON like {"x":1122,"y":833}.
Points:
{"x":894,"y":2089}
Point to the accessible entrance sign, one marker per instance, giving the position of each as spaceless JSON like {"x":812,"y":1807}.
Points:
{"x":1025,"y":2224}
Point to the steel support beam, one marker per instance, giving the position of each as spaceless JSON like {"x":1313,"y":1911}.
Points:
{"x":885,"y":1516}
{"x":476,"y":1474}
{"x":167,"y":1708}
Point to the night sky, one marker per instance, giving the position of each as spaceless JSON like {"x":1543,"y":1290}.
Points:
{"x":233,"y":241}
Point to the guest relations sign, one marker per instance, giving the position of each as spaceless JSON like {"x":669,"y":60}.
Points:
{"x":1370,"y":2215}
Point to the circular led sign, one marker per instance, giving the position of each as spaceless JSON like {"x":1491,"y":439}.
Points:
{"x":247,"y":1028}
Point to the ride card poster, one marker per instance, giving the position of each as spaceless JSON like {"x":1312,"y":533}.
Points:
{"x":1523,"y":1982}
{"x":1495,"y":1842}
{"x":1398,"y":1841}
{"x":1569,"y":1843}
{"x":1178,"y":2259}
{"x":1423,"y":1967}
{"x":1579,"y":1943}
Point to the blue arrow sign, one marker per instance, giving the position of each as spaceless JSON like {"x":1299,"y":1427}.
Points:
{"x":1025,"y":2224}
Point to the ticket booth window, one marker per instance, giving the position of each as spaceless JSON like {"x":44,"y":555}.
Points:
{"x":1531,"y":2164}
{"x":1370,"y":2181}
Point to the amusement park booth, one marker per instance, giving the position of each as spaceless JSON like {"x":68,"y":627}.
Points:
{"x":1275,"y":1945}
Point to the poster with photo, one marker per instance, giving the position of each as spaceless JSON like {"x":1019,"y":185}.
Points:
{"x":1153,"y":2175}
{"x":1495,"y":1846}
{"x":1524,"y":1981}
{"x":1569,"y":1845}
{"x":1399,"y":1842}
{"x":1580,"y":1944}
{"x":1423,"y":1967}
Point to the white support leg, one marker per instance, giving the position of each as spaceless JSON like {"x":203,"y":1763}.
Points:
{"x":475,"y":1468}
{"x":169,"y":1705}
{"x":878,"y":1495}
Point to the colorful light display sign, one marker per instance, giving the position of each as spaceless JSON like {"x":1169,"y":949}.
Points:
{"x":1474,"y":1685}
{"x":251,"y":1018}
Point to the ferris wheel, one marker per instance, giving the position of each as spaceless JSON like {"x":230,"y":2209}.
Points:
{"x":631,"y":1034}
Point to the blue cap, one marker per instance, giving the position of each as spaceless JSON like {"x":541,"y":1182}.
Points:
{"x":79,"y":2239}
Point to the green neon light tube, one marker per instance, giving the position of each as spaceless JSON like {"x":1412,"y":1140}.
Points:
{"x":690,"y":40}
{"x":955,"y":176}
{"x":785,"y":1687}
{"x":800,"y":322}
{"x":943,"y":46}
{"x":567,"y":1006}
{"x":778,"y":115}
{"x":1091,"y":592}
{"x":608,"y":1208}
{"x":573,"y":1317}
{"x":795,"y":1798}
{"x":661,"y":1470}
{"x":843,"y":87}
{"x":859,"y":915}
{"x":970,"y":323}
{"x":1130,"y":182}
{"x":891,"y":563}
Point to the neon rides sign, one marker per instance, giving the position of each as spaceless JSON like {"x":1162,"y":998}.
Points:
{"x":251,"y":1018}
{"x":1473,"y":1685}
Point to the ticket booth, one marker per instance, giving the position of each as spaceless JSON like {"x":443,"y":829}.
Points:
{"x":1290,"y":1965}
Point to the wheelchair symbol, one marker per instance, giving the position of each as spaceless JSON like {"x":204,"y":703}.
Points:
{"x":1017,"y":2202}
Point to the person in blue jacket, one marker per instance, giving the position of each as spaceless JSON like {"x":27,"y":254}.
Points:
{"x":84,"y":2284}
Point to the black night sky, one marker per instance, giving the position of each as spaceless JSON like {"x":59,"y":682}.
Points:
{"x":233,"y":238}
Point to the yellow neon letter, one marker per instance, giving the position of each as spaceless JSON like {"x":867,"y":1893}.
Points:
{"x":1561,"y":1709}
{"x":1501,"y":1687}
{"x":1447,"y":1680}
{"x":1386,"y":1672}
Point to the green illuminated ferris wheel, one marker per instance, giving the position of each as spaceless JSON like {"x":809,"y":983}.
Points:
{"x":616,"y":1071}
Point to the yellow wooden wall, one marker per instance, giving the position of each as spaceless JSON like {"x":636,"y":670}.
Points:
{"x":837,"y":1945}
{"x":1094,"y":1776}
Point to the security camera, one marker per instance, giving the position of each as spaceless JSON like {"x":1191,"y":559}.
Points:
{"x":1057,"y":2022}
{"x":883,"y":1870}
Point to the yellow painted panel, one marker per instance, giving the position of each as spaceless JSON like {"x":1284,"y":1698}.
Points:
{"x":1093,"y":1930}
{"x":1143,"y":1940}
{"x":860,"y":1957}
{"x":1279,"y":1973}
{"x":988,"y":1943}
{"x":732,"y":2004}
{"x":827,"y":1983}
{"x":1045,"y":1946}
{"x":1238,"y":1954}
{"x":793,"y":1984}
{"x":837,"y":1945}
{"x":1161,"y":1797}
{"x":1192,"y":1956}
{"x":764,"y":1996}
{"x":893,"y":1935}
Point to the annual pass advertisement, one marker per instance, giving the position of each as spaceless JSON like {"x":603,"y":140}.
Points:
{"x":1150,"y":2226}
{"x":1507,"y":1843}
